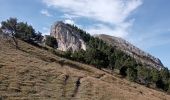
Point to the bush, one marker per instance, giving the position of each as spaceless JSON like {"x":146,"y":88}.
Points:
{"x":132,"y":73}
{"x":165,"y":74}
{"x":123,"y":71}
{"x":79,"y":55}
{"x":96,"y":57}
{"x":143,"y":75}
{"x":0,"y":30}
{"x":51,"y":41}
{"x":160,"y":84}
{"x":155,"y":75}
{"x":67,"y":54}
{"x":112,"y":61}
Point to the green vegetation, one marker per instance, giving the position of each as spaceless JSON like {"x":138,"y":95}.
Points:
{"x":98,"y":53}
{"x":143,"y":75}
{"x":21,"y":31}
{"x":0,"y":30}
{"x":51,"y":41}
{"x":102,"y":55}
{"x":10,"y":26}
{"x":132,"y":73}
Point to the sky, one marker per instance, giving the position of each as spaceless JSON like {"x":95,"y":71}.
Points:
{"x":144,"y":23}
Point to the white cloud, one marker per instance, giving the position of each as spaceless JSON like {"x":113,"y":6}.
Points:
{"x":69,"y":21}
{"x":120,"y":30}
{"x":111,"y":12}
{"x":45,"y":12}
{"x":69,"y":16}
{"x":104,"y":29}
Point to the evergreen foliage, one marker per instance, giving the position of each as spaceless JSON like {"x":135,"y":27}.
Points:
{"x":143,"y":75}
{"x":20,"y":30}
{"x":98,"y":54}
{"x":132,"y":73}
{"x":51,"y":41}
{"x":10,"y":27}
{"x":102,"y":55}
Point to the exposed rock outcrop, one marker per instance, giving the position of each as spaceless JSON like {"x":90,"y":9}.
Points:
{"x":67,"y":38}
{"x":28,"y":74}
{"x":133,"y":51}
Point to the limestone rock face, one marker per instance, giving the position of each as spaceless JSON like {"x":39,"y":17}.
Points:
{"x":140,"y":56}
{"x":67,"y":37}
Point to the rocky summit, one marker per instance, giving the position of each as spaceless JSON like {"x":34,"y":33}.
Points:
{"x":133,"y":51}
{"x":32,"y":73}
{"x":109,"y":68}
{"x":67,"y":38}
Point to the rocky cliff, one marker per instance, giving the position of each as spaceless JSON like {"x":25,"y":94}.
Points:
{"x":31,"y":73}
{"x":67,"y":37}
{"x":121,"y":44}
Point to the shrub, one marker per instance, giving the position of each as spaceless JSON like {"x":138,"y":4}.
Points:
{"x":51,"y":41}
{"x":132,"y":73}
{"x":123,"y":71}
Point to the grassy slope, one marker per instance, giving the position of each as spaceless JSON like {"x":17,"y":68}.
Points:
{"x":32,"y":73}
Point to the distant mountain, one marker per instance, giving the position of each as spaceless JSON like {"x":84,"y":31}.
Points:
{"x":132,"y":50}
{"x":69,"y":38}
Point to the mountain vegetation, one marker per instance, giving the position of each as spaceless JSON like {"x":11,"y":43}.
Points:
{"x":98,"y":54}
{"x":102,"y":55}
{"x":20,"y":30}
{"x":51,"y":41}
{"x":33,"y":73}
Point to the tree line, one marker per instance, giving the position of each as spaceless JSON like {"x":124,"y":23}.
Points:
{"x":102,"y":55}
{"x":20,"y":30}
{"x":98,"y":53}
{"x":25,"y":32}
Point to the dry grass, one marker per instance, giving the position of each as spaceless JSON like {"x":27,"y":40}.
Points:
{"x":35,"y":74}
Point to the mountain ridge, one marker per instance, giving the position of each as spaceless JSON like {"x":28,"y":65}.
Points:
{"x":34,"y":73}
{"x":132,"y":50}
{"x":61,"y":31}
{"x":32,"y":68}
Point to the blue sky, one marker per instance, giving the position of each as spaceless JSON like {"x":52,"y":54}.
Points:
{"x":145,"y":23}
